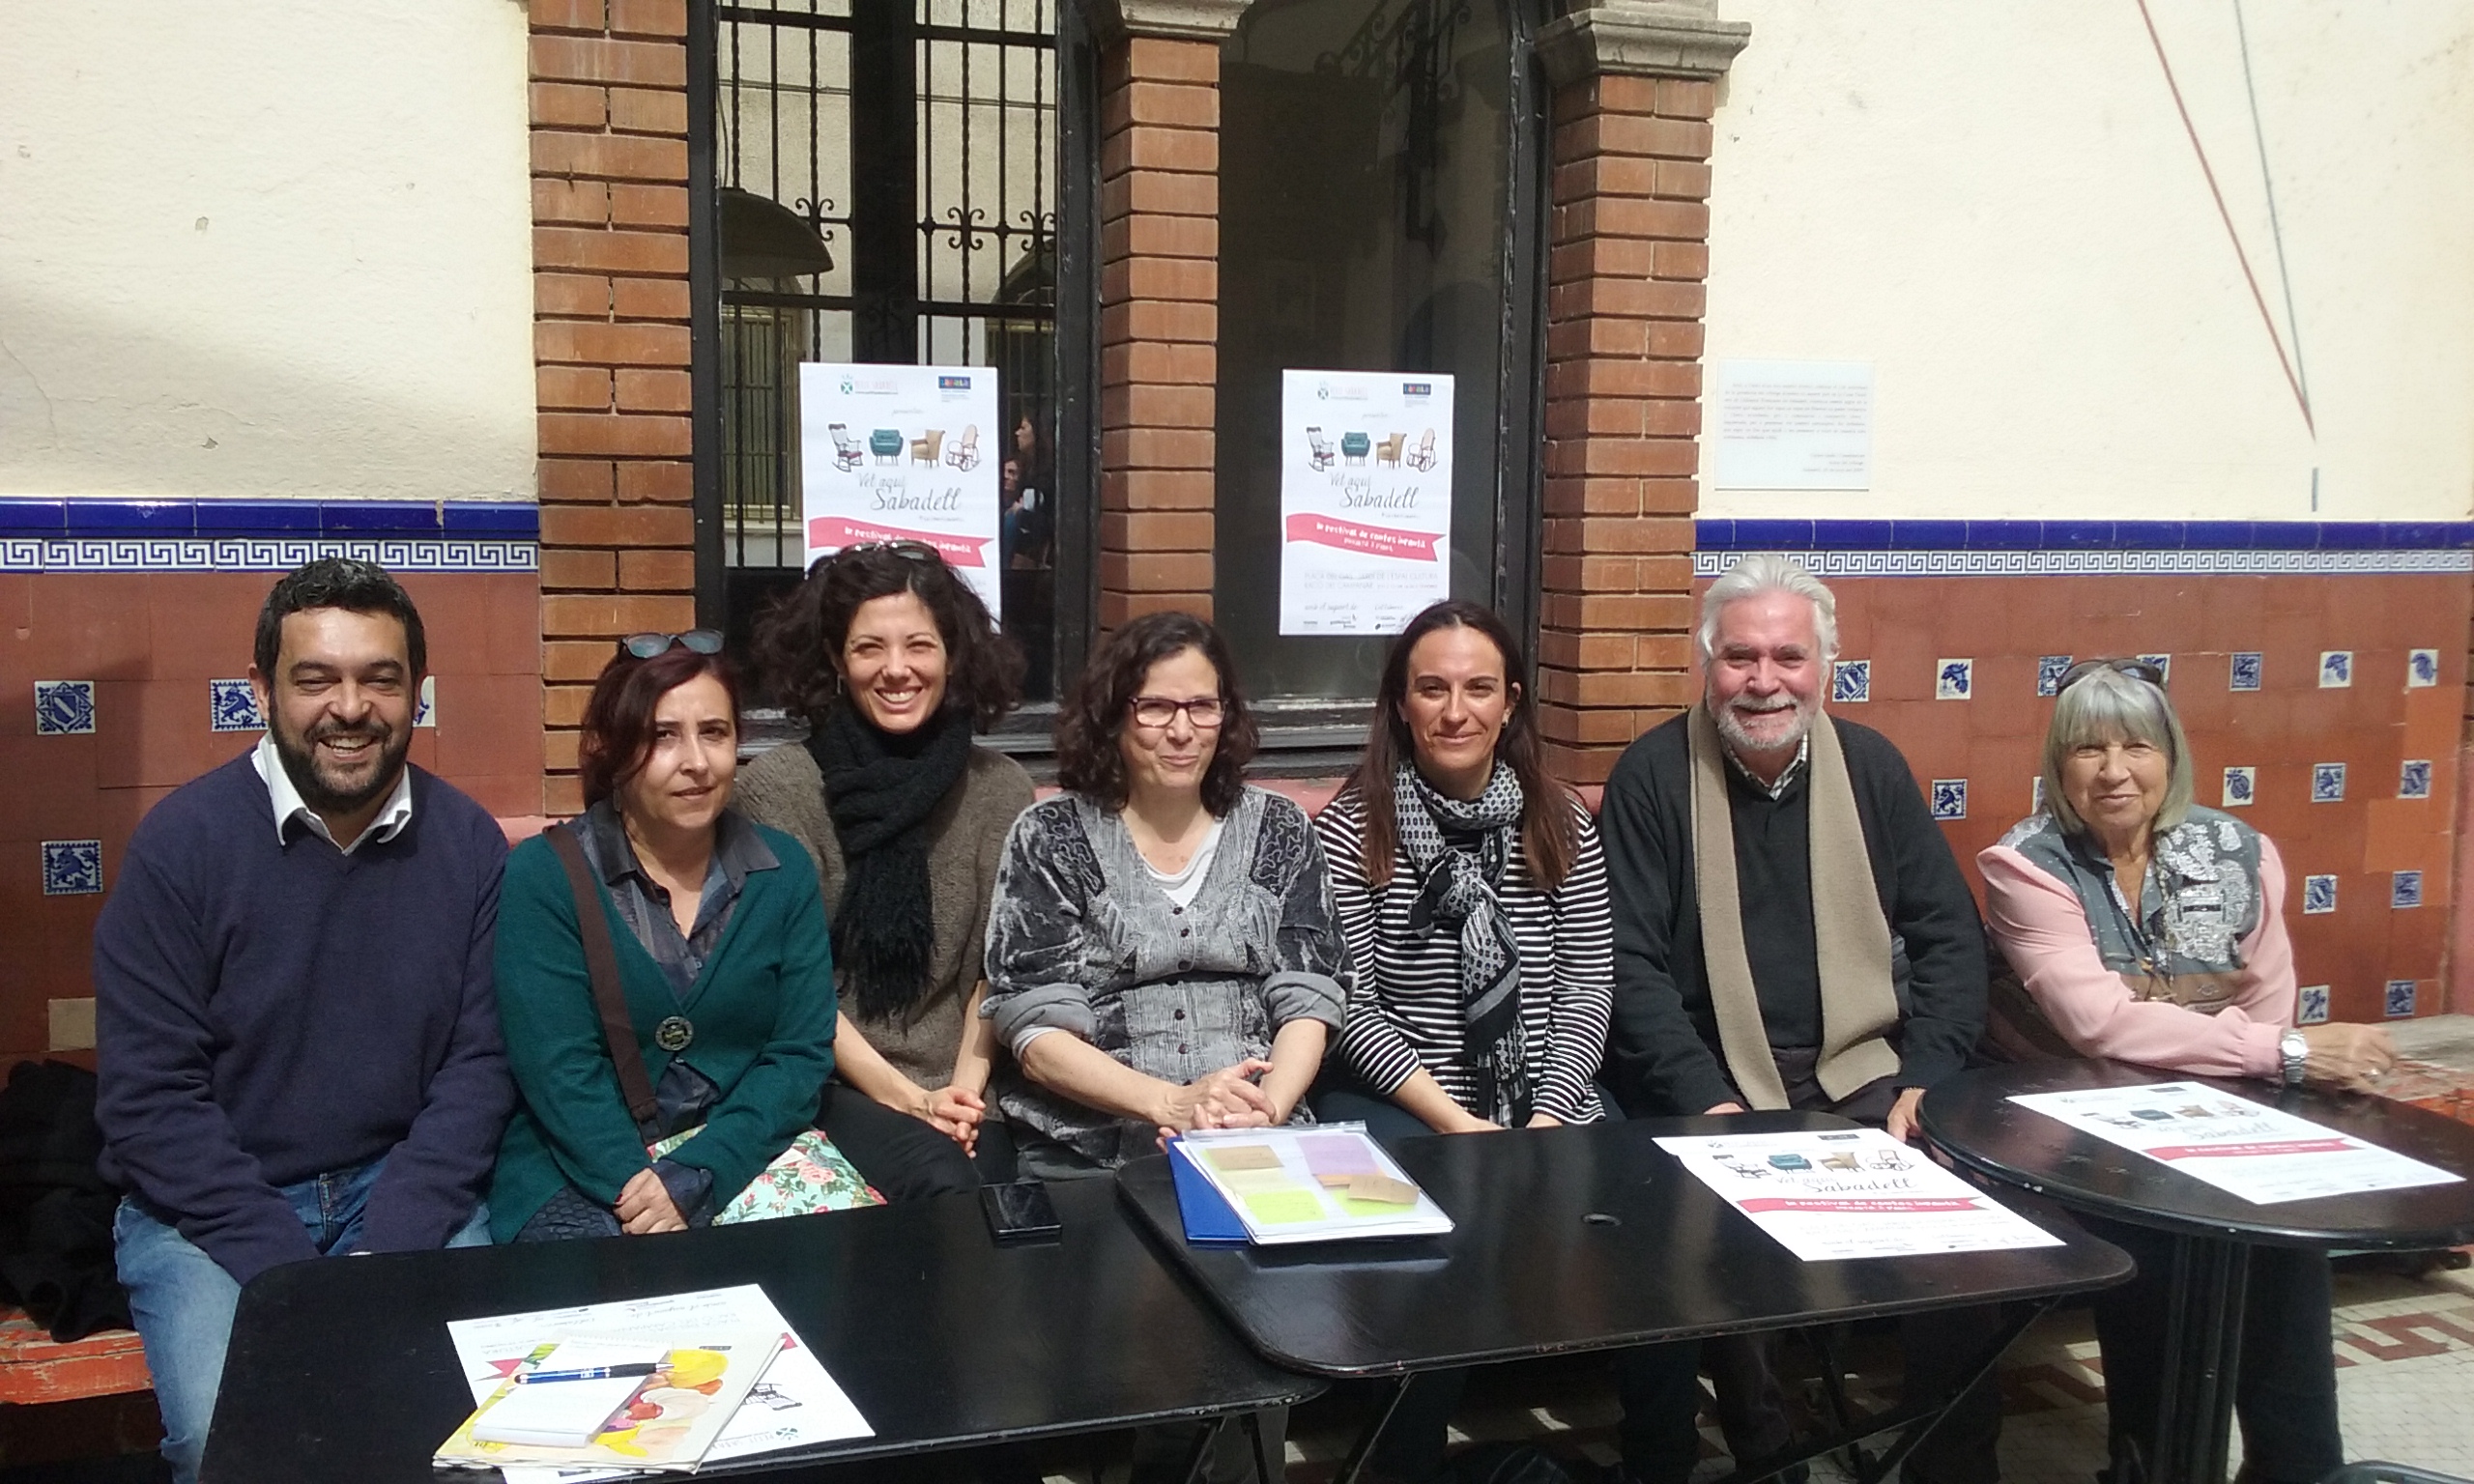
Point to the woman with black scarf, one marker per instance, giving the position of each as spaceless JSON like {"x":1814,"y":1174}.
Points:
{"x":894,"y":660}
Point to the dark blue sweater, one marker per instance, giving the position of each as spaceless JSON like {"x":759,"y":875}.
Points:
{"x":269,"y":1011}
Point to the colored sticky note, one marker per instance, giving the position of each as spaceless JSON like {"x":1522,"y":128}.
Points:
{"x":1382,"y":1190}
{"x":1244,"y":1156}
{"x":1282,"y":1207}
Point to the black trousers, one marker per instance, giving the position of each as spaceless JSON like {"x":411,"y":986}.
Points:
{"x":2285,"y":1393}
{"x":1938,"y":1346}
{"x":906,"y":1158}
{"x":1658,"y":1385}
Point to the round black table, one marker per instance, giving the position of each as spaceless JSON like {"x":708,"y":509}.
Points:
{"x":1969,"y":1117}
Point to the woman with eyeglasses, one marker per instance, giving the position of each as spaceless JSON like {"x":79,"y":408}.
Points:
{"x":722,"y":967}
{"x":2142,"y":926}
{"x":1163,"y":954}
{"x":894,"y":661}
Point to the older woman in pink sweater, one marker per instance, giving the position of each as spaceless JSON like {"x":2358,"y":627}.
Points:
{"x":2140,"y":927}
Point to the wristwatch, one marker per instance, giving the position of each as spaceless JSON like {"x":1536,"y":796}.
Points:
{"x":2295,"y":1052}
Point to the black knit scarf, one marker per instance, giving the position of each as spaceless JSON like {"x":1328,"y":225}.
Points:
{"x":881,"y":789}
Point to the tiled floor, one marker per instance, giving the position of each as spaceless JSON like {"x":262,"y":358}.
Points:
{"x":2405,"y":1389}
{"x":2405,"y":1357}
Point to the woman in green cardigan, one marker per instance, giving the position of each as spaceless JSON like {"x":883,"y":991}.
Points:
{"x":719,"y":931}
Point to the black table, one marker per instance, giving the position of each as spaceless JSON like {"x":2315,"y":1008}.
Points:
{"x":341,"y":1368}
{"x":1581,"y":1238}
{"x":1969,"y":1117}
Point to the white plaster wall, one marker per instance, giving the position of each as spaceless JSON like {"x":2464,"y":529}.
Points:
{"x":265,"y":247}
{"x":1997,"y":204}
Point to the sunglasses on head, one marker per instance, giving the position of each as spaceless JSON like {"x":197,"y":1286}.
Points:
{"x":645,"y":647}
{"x":2137,"y":669}
{"x":915,"y":551}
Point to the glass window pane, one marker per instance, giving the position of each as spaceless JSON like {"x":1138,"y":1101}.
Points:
{"x":1365,"y":193}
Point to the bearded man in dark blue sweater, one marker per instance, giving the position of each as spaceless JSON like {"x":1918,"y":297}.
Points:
{"x":297,"y":1035}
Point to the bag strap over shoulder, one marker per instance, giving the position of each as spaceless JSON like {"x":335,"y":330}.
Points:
{"x":609,"y":995}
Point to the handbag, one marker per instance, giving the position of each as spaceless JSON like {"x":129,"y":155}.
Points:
{"x":809,"y":1176}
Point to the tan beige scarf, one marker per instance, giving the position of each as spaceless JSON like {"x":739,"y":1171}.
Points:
{"x":1850,"y":940}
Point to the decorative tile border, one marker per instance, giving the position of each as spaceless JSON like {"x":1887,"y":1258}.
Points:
{"x":2090,"y":547}
{"x":218,"y":535}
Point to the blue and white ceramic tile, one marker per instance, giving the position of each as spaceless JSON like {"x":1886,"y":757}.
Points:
{"x":2241,"y":788}
{"x":2405,"y":889}
{"x":232,"y":705}
{"x":2327,"y":782}
{"x":2399,"y":1001}
{"x":2336,"y":669}
{"x":1955,"y":680}
{"x":64,"y":708}
{"x":73,"y":867}
{"x":2164,"y":664}
{"x":425,"y":711}
{"x":2318,"y":895}
{"x":2313,"y":1008}
{"x":2244,"y":674}
{"x":2414,"y":779}
{"x":1851,"y":680}
{"x":1949,"y":798}
{"x":2049,"y":668}
{"x":2422,"y":668}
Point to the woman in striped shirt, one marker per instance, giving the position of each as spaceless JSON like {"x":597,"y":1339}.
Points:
{"x":1473,"y":894}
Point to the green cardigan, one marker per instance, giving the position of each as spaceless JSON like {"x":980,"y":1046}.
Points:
{"x":763,"y":1010}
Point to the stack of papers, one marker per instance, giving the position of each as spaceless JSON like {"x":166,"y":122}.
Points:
{"x":1321,"y":1184}
{"x":693,"y":1378}
{"x":1855,"y":1192}
{"x":2240,"y":1147}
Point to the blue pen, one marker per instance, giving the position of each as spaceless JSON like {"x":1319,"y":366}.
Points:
{"x":588,"y":1373}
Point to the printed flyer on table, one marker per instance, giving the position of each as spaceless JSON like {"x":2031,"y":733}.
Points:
{"x":1365,"y":499}
{"x":904,"y":453}
{"x":2240,"y":1147}
{"x":1858,"y":1193}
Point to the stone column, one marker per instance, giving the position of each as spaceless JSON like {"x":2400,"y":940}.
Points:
{"x":1636,"y":84}
{"x":1159,"y":299}
{"x":609,"y":128}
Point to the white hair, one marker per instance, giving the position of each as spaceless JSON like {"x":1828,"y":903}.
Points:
{"x":1768,"y":571}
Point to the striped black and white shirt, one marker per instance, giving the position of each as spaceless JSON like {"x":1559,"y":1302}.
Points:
{"x":1406,"y":1011}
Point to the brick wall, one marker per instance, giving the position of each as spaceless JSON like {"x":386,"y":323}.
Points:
{"x":1158,"y":323}
{"x":609,"y":115}
{"x":1627,"y":253}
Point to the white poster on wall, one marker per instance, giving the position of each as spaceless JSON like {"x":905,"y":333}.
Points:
{"x":1365,"y":499}
{"x":1795,"y":425}
{"x":903,"y":454}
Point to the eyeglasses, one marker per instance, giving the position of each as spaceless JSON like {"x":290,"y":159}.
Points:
{"x":645,"y":647}
{"x":1158,"y":711}
{"x":2137,"y":669}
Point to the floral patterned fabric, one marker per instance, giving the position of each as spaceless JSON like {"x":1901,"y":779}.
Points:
{"x":806,"y":1178}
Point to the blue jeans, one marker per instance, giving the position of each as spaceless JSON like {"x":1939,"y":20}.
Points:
{"x":182,"y":1300}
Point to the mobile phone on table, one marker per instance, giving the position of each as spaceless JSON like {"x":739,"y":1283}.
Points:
{"x":1021,"y":1212}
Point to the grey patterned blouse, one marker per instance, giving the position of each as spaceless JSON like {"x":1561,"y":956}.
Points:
{"x":1081,"y":939}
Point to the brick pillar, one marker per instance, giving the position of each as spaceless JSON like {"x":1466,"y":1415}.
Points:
{"x":609,"y":110}
{"x":1158,"y":300}
{"x":1634,"y":88}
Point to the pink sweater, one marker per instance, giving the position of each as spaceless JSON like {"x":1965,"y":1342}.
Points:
{"x":2039,"y":926}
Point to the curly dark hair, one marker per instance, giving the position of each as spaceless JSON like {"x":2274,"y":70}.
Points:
{"x":798,"y":638}
{"x":1548,"y":838}
{"x":337,"y":582}
{"x":1095,"y":710}
{"x":618,"y":718}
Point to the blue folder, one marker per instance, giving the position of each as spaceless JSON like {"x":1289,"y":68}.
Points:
{"x":1210,"y":1220}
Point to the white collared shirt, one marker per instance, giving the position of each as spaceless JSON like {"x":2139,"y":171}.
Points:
{"x":288,"y":806}
{"x":1786,"y":775}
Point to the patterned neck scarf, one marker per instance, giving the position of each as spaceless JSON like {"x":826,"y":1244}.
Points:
{"x":1457,"y":879}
